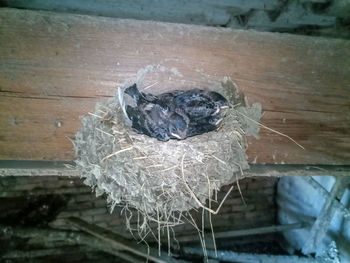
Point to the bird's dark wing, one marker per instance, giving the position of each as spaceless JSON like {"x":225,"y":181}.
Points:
{"x":149,"y":119}
{"x":202,"y":126}
{"x":218,"y":98}
{"x":196,"y":104}
{"x":166,"y":100}
{"x":149,"y":97}
{"x":156,"y":121}
{"x":138,"y":120}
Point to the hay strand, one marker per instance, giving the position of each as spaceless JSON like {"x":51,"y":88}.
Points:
{"x":272,"y":130}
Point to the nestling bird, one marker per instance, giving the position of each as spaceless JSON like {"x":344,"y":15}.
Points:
{"x":175,"y":114}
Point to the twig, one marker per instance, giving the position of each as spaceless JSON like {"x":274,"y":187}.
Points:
{"x":170,"y":168}
{"x":221,"y":161}
{"x":92,"y":114}
{"x":118,"y":132}
{"x":146,"y":157}
{"x":115,"y":241}
{"x":104,"y":132}
{"x":203,"y":237}
{"x":149,"y":86}
{"x":195,"y":197}
{"x":168,"y":234}
{"x":239,"y":188}
{"x":279,"y":133}
{"x":154,"y":165}
{"x":105,"y":113}
{"x":193,"y":223}
{"x":117,"y":152}
{"x":159,"y":241}
{"x":210,"y":221}
{"x":140,"y":158}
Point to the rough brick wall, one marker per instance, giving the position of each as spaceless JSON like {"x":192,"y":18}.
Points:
{"x":29,"y":194}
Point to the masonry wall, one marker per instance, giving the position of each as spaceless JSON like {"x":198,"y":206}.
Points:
{"x":49,"y":200}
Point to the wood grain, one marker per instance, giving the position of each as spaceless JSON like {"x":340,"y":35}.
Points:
{"x":35,"y":168}
{"x":55,"y":67}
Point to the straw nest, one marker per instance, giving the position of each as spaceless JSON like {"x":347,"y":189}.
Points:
{"x":161,"y":180}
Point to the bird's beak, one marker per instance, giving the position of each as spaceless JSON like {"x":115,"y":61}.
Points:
{"x":176,"y":136}
{"x":224,"y":107}
{"x":220,"y":109}
{"x":218,"y":123}
{"x":179,"y":135}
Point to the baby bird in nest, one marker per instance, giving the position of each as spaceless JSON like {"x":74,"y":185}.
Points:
{"x":176,"y":114}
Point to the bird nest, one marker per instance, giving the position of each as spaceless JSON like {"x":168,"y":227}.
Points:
{"x":161,"y":180}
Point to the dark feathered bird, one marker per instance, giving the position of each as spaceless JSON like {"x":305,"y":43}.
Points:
{"x":175,"y":114}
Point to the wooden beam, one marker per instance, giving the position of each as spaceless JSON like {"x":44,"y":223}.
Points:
{"x":276,"y":170}
{"x":325,"y":194}
{"x":55,"y":67}
{"x":119,"y":242}
{"x":297,"y":170}
{"x":35,"y":253}
{"x":320,"y":227}
{"x":58,"y":191}
{"x":231,"y":256}
{"x":72,"y":238}
{"x":246,"y":232}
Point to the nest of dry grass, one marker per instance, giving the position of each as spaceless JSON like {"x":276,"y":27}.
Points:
{"x":163,"y":180}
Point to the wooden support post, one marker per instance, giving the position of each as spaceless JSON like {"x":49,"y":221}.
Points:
{"x":316,"y":185}
{"x":255,"y":170}
{"x":321,"y":225}
{"x":58,"y":191}
{"x":69,"y":237}
{"x":296,"y":170}
{"x":118,"y":242}
{"x":230,"y":256}
{"x":246,"y":232}
{"x":35,"y":253}
{"x":54,"y":67}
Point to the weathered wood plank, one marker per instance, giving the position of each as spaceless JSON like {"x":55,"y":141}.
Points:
{"x":120,"y":243}
{"x":320,"y":227}
{"x":256,"y":170}
{"x":55,"y":67}
{"x":246,"y":232}
{"x":69,"y":237}
{"x":231,"y":256}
